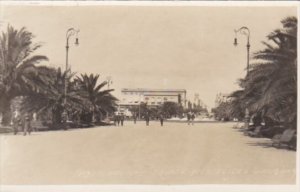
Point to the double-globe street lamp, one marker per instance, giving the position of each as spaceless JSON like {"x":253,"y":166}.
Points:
{"x":70,"y":32}
{"x":244,"y":31}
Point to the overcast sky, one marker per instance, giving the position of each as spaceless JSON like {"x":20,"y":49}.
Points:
{"x":152,"y":47}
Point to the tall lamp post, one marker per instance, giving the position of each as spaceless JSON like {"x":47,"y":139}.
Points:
{"x":70,"y":32}
{"x":109,"y":82}
{"x":244,"y":31}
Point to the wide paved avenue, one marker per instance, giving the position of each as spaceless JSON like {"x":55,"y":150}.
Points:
{"x":177,"y":153}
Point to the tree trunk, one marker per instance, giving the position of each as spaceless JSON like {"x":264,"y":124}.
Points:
{"x":93,"y":117}
{"x":56,"y":118}
{"x":5,"y":110}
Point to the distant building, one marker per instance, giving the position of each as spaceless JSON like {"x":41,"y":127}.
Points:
{"x":152,"y":97}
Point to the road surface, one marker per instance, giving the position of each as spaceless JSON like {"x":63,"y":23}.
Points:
{"x":205,"y":153}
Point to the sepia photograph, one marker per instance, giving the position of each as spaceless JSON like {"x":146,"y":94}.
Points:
{"x":155,"y":94}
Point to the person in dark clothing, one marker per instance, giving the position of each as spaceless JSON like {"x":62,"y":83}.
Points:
{"x":118,"y":120}
{"x":134,"y":118}
{"x":147,"y":118}
{"x":27,"y":124}
{"x":17,"y":123}
{"x":188,"y":118}
{"x":161,"y":118}
{"x":122,"y":119}
{"x":192,"y":118}
{"x":115,"y":120}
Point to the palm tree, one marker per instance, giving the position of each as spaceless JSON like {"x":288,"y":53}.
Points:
{"x":101,"y":101}
{"x":271,"y":84}
{"x":51,"y":97}
{"x":17,"y":67}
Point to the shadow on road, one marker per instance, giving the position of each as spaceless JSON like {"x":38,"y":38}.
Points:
{"x":263,"y":144}
{"x":237,"y":129}
{"x":266,"y":144}
{"x":19,"y":134}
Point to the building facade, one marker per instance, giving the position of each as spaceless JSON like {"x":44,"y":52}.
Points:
{"x":152,"y":97}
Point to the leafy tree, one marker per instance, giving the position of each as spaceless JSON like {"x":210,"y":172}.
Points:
{"x":171,"y":109}
{"x":223,"y":111}
{"x":143,"y":109}
{"x":134,"y":110}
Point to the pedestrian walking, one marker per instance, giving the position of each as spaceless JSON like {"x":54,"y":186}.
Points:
{"x":134,"y":118}
{"x":188,"y":117}
{"x":193,"y":118}
{"x":115,"y":120}
{"x":27,"y":124}
{"x":122,"y":119}
{"x":147,"y":118}
{"x":118,"y":120}
{"x":17,"y":123}
{"x":161,"y":118}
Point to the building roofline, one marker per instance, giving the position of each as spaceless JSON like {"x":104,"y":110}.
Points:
{"x":151,"y":90}
{"x":153,"y":94}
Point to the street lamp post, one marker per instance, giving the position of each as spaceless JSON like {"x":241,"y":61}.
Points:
{"x":109,"y":82}
{"x":141,"y":97}
{"x":70,"y":32}
{"x":244,"y":31}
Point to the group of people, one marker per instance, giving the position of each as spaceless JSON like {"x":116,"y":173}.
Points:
{"x":22,"y":123}
{"x":119,"y":118}
{"x":160,"y":117}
